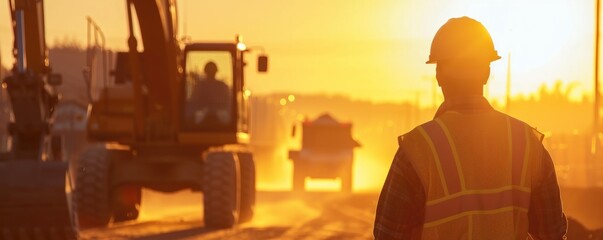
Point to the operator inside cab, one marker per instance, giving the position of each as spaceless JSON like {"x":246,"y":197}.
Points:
{"x":210,"y":100}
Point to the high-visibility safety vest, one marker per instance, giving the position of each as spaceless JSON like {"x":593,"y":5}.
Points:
{"x":477,"y":171}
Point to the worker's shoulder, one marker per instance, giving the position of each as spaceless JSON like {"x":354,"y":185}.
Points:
{"x":411,"y":136}
{"x":533,"y":130}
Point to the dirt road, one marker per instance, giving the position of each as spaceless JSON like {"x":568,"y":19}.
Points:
{"x":279,"y":215}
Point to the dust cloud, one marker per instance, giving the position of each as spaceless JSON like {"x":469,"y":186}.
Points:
{"x":368,"y":173}
{"x":270,"y":210}
{"x":181,"y":205}
{"x":282,"y":213}
{"x":565,"y":122}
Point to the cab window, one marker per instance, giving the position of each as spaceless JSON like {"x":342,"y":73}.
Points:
{"x":208,"y":90}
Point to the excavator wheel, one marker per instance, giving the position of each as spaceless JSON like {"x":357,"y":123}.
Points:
{"x":247,"y":169}
{"x":92,"y":188}
{"x":221,"y":190}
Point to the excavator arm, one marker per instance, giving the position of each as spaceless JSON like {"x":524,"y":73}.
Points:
{"x":157,"y":20}
{"x":28,"y":29}
{"x":30,"y":86}
{"x":34,"y":181}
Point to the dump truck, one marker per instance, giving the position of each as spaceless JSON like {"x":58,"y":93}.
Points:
{"x":327,"y":151}
{"x":175,"y":117}
{"x":35,"y":183}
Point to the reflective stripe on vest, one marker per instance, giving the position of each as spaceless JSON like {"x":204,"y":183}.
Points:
{"x":459,"y":201}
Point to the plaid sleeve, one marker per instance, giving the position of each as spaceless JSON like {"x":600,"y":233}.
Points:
{"x":546,"y":217}
{"x":401,"y":206}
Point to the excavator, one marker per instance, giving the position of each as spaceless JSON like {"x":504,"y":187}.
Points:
{"x":35,"y":183}
{"x":175,"y":117}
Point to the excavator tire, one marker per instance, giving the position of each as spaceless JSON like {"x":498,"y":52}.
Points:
{"x":92,"y":188}
{"x":35,"y":200}
{"x":221,"y":190}
{"x":247,"y":169}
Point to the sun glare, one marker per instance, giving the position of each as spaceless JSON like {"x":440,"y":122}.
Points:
{"x":548,"y":40}
{"x":542,"y":39}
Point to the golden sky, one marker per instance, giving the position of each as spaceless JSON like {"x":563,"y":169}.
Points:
{"x":371,"y":50}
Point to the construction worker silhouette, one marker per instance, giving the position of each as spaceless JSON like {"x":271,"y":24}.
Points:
{"x":211,"y":98}
{"x":471,"y":172}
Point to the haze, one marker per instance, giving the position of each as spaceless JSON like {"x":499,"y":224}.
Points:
{"x":363,"y":62}
{"x":370,"y":50}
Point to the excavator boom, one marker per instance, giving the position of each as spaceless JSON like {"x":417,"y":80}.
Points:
{"x":157,"y":21}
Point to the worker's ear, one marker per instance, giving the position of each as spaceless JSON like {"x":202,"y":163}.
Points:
{"x":443,"y":73}
{"x":480,"y":73}
{"x":438,"y":80}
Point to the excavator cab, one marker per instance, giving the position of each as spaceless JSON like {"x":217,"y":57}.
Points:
{"x":214,"y":101}
{"x":209,"y":88}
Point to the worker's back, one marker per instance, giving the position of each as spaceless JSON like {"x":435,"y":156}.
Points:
{"x":472,"y":172}
{"x":477,"y":170}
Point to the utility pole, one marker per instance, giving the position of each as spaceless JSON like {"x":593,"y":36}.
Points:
{"x":508,"y":94}
{"x":596,"y":93}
